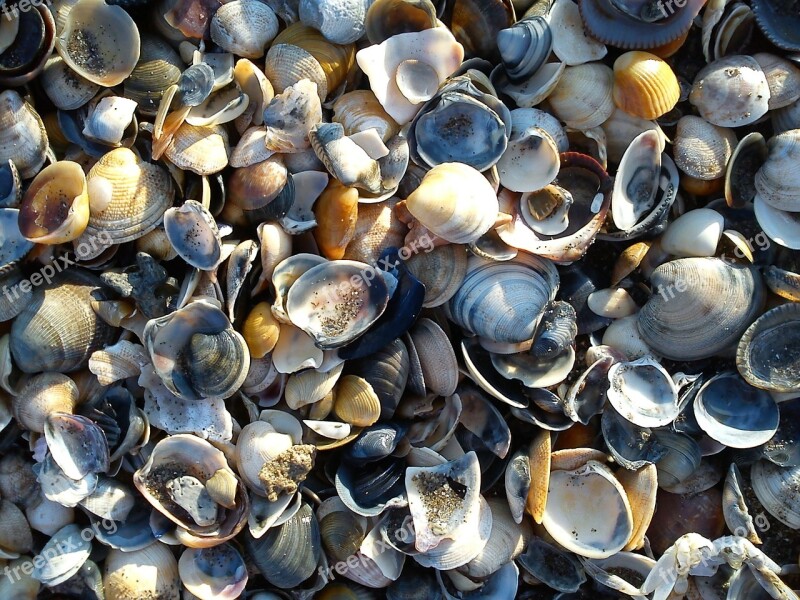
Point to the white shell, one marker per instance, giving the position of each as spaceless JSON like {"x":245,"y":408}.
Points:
{"x":781,"y":226}
{"x":695,"y":233}
{"x":778,"y":179}
{"x":530,"y":162}
{"x":244,"y":27}
{"x":435,"y":47}
{"x":583,"y":98}
{"x":340,"y":21}
{"x":643,"y":392}
{"x":636,"y":183}
{"x":570,"y":42}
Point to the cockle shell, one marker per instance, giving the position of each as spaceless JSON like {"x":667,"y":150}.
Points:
{"x":244,"y":27}
{"x":23,"y":137}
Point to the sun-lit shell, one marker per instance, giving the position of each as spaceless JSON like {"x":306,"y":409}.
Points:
{"x":702,"y":150}
{"x":644,"y":85}
{"x":583,"y":97}
{"x":23,"y":137}
{"x":244,"y":27}
{"x":42,"y":218}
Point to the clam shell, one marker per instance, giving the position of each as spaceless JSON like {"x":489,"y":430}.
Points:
{"x":524,"y":47}
{"x":344,"y":158}
{"x":731,"y":91}
{"x":194,"y":235}
{"x":681,"y":460}
{"x":436,"y":356}
{"x":449,"y":185}
{"x":202,"y":150}
{"x":65,"y":88}
{"x":100,"y":42}
{"x":777,"y":183}
{"x":694,"y":233}
{"x":636,"y":183}
{"x":702,"y":150}
{"x":43,"y":395}
{"x":109,"y":119}
{"x":151,"y":570}
{"x":218,"y":572}
{"x":748,"y":157}
{"x":441,"y":271}
{"x":643,"y":392}
{"x":159,"y":67}
{"x":23,"y":137}
{"x":244,"y":27}
{"x":591,"y":490}
{"x":340,"y":21}
{"x":727,"y":296}
{"x":777,"y":490}
{"x":355,"y":402}
{"x":783,"y":227}
{"x":570,"y":44}
{"x":360,"y":110}
{"x":386,"y":18}
{"x":287,"y":64}
{"x":765,"y":356}
{"x":583,"y":96}
{"x":783,"y":79}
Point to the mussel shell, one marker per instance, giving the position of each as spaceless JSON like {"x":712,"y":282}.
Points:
{"x":287,"y":554}
{"x":58,"y":330}
{"x":768,"y":356}
{"x":368,"y":489}
{"x":375,"y":442}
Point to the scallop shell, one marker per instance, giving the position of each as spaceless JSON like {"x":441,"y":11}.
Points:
{"x":727,"y":296}
{"x":134,"y":195}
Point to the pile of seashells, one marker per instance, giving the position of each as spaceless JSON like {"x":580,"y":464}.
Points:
{"x":404,"y":299}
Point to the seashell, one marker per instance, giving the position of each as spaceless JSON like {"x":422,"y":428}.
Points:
{"x":23,"y":138}
{"x":110,"y":500}
{"x":65,"y":88}
{"x":583,"y":96}
{"x":198,"y":81}
{"x":17,"y":480}
{"x":260,"y":330}
{"x":377,"y":227}
{"x":309,"y":387}
{"x":640,"y":487}
{"x":582,"y":178}
{"x":28,"y":41}
{"x":644,"y":85}
{"x":702,"y":150}
{"x":594,"y":486}
{"x":535,"y":89}
{"x":340,"y":21}
{"x":151,"y":570}
{"x":552,"y":566}
{"x":667,"y":326}
{"x":777,"y":24}
{"x":524,"y":47}
{"x":520,"y":289}
{"x":100,"y":42}
{"x":287,"y":554}
{"x":42,"y":340}
{"x":530,"y":162}
{"x":42,"y":217}
{"x":217,"y":572}
{"x":336,"y":212}
{"x":64,"y":564}
{"x":48,"y":517}
{"x":476,"y":24}
{"x":331,"y":304}
{"x":343,"y":158}
{"x":192,"y":366}
{"x":255,"y":85}
{"x":370,"y":488}
{"x":695,"y":233}
{"x":570,"y":44}
{"x":193,"y":233}
{"x":259,"y":443}
{"x":355,"y":402}
{"x":445,"y":185}
{"x":244,"y":27}
{"x":622,"y":128}
{"x":635,"y":25}
{"x":761,"y":357}
{"x":387,"y":18}
{"x":783,"y":79}
{"x":776,"y":488}
{"x":643,"y":392}
{"x":731,"y":91}
{"x":734,"y":507}
{"x":342,"y":533}
{"x":780,"y":226}
{"x":16,"y":538}
{"x":42,"y":395}
{"x":109,"y":119}
{"x":202,"y":150}
{"x":747,"y":159}
{"x":159,"y":67}
{"x":120,"y":361}
{"x":630,"y":445}
{"x":435,"y":48}
{"x":387,"y":371}
{"x":259,"y":192}
{"x":127,"y":196}
{"x":251,"y":148}
{"x":290,"y":116}
{"x":636,"y":184}
{"x":460,"y":123}
{"x":776,"y":182}
{"x":226,"y":105}
{"x":300,"y":52}
{"x":77,"y":445}
{"x":680,"y":461}
{"x":534,"y":371}
{"x":360,"y":110}
{"x":436,"y":357}
{"x":441,"y":271}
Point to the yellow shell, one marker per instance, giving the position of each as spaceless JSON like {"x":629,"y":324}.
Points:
{"x":336,"y":211}
{"x":42,"y":395}
{"x":127,"y":197}
{"x":539,"y":460}
{"x":377,"y":227}
{"x":355,"y":402}
{"x":341,"y":534}
{"x":641,"y":487}
{"x":260,"y":330}
{"x":285,"y":66}
{"x":42,"y":217}
{"x":202,"y":150}
{"x":645,"y":85}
